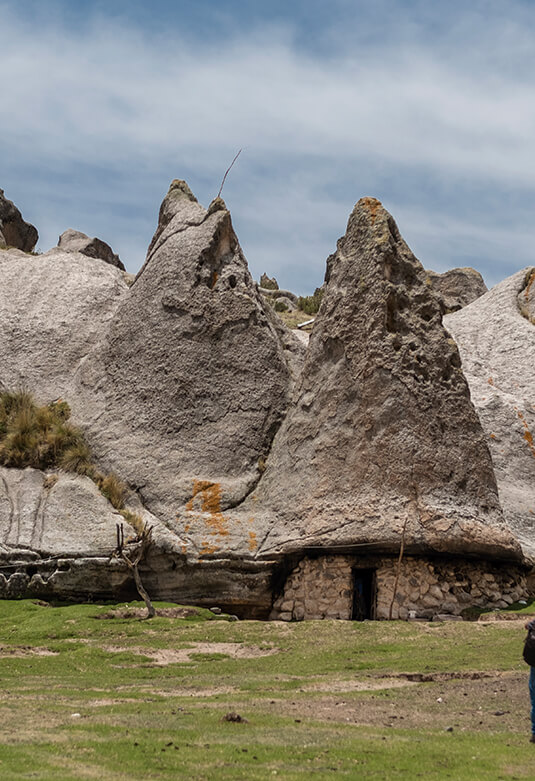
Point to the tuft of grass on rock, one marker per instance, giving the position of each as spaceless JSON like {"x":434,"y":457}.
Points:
{"x":42,"y":437}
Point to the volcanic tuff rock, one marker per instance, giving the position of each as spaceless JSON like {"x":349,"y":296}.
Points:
{"x":184,"y":395}
{"x":269,"y":283}
{"x":497,"y":345}
{"x":57,"y":532}
{"x":53,"y":308}
{"x":456,"y":288}
{"x":14,"y":232}
{"x":75,"y":241}
{"x":381,"y":431}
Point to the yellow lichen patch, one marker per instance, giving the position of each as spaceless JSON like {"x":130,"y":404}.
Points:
{"x":528,"y":436}
{"x":252,"y":541}
{"x":207,"y":550}
{"x":373,"y":205}
{"x":209,"y":495}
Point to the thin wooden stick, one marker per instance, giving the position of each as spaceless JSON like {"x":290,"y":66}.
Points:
{"x":226,"y":172}
{"x":401,"y":547}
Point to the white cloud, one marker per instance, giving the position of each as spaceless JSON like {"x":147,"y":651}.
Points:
{"x":109,"y":97}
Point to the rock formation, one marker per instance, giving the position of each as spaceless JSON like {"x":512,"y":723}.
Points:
{"x":456,"y":288}
{"x":381,"y":434}
{"x":269,"y":283}
{"x":14,"y":232}
{"x":186,"y":391}
{"x":53,"y":308}
{"x":262,"y":475}
{"x":75,"y":241}
{"x":496,"y":339}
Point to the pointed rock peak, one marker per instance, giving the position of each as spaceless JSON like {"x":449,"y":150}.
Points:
{"x":217,"y":205}
{"x":14,"y":231}
{"x":179,"y":190}
{"x":206,"y":380}
{"x":179,"y":207}
{"x":382,"y":433}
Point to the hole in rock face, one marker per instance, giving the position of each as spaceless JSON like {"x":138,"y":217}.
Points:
{"x":232,"y":281}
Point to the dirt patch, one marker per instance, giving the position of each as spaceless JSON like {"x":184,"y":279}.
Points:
{"x":359,"y":686}
{"x":495,"y":703}
{"x":439,"y":677}
{"x":164,"y":656}
{"x":25,"y":650}
{"x":511,"y":619}
{"x":140,"y":612}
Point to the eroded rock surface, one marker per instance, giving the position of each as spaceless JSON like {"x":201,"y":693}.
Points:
{"x":496,"y":340}
{"x":381,"y":433}
{"x":53,"y":309}
{"x":186,"y":391}
{"x":75,"y":241}
{"x":56,"y":536}
{"x":14,"y":231}
{"x":457,"y":287}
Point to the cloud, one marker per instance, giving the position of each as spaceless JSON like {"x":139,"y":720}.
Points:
{"x":108,"y":114}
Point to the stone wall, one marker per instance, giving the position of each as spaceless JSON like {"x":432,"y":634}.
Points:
{"x":322,"y":587}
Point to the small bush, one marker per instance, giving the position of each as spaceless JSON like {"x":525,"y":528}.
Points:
{"x":77,"y":458}
{"x":311,"y":304}
{"x":114,"y":490}
{"x":280,"y":306}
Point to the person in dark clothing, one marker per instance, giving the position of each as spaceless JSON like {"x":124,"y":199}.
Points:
{"x":531,"y":625}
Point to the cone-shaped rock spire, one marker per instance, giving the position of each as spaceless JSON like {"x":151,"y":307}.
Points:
{"x":192,"y":380}
{"x":382,"y":433}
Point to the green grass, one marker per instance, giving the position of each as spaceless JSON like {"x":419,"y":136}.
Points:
{"x":101,"y":704}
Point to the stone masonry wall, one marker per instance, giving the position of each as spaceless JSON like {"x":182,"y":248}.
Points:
{"x":323,"y":587}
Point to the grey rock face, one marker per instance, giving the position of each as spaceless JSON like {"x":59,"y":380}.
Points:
{"x":381,"y":431}
{"x":75,"y":241}
{"x":14,"y":232}
{"x":456,"y":288}
{"x":53,"y":309}
{"x":192,"y":378}
{"x":66,"y":515}
{"x":497,"y":345}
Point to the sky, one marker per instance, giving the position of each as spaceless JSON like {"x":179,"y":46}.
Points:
{"x":427,"y":105}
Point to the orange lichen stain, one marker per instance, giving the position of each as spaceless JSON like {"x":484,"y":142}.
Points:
{"x":184,"y":548}
{"x":251,"y":520}
{"x":187,"y":528}
{"x":252,"y":541}
{"x":373,"y":205}
{"x":490,"y":381}
{"x":493,"y":436}
{"x":207,"y":550}
{"x":528,"y":436}
{"x":209,"y":495}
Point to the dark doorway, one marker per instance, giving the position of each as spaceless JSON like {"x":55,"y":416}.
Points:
{"x":363,"y":594}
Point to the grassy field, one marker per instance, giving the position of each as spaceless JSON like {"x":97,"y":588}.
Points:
{"x":201,"y":697}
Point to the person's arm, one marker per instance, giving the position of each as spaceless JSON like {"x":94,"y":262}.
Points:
{"x":530,"y":624}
